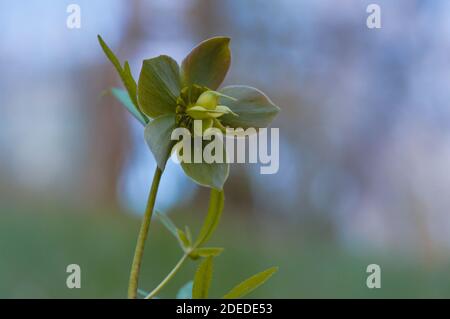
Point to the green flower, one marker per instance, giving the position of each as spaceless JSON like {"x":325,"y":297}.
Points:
{"x":168,"y":96}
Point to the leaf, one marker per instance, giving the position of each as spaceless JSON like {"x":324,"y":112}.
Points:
{"x":202,"y":279}
{"x":157,"y":135}
{"x":208,"y":63}
{"x":130,"y":83}
{"x":125,"y":75}
{"x":167,"y":222}
{"x":253,"y":107}
{"x":206,"y":252}
{"x":184,"y":241}
{"x":216,"y":203}
{"x":250,"y":284}
{"x":159,"y":86}
{"x":183,"y":238}
{"x":188,"y":233}
{"x":185,"y":292}
{"x":111,"y":56}
{"x":124,"y":98}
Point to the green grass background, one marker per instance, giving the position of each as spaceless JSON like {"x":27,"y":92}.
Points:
{"x":37,"y":243}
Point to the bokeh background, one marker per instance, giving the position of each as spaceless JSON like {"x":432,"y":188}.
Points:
{"x":364,"y":148}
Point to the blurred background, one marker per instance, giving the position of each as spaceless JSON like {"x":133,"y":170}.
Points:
{"x":364,"y":148}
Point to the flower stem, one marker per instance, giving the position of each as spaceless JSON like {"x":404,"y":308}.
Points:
{"x":168,"y":277}
{"x":143,"y":232}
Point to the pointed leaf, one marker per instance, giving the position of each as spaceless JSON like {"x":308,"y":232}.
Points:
{"x":124,"y":73}
{"x":124,"y":98}
{"x":188,"y":233}
{"x":130,"y":83}
{"x":159,"y":86}
{"x":167,"y":222}
{"x":182,"y":238}
{"x":253,"y":107}
{"x":208,"y":63}
{"x":184,"y":241}
{"x":185,"y":292}
{"x":111,"y":56}
{"x":216,"y":203}
{"x":157,"y":135}
{"x":250,"y":284}
{"x":206,"y":252}
{"x":202,"y":279}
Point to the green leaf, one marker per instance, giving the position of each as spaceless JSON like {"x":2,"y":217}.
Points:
{"x":216,"y":203}
{"x":167,"y":222}
{"x":202,"y":279}
{"x":185,"y":292}
{"x":250,"y":284}
{"x":188,"y":233}
{"x":111,"y":56}
{"x":206,"y":252}
{"x":253,"y":107}
{"x":208,"y":63}
{"x":124,"y":73}
{"x":182,"y":237}
{"x":124,"y":98}
{"x":157,"y":135}
{"x":130,"y":82}
{"x":184,"y":241}
{"x":159,"y":86}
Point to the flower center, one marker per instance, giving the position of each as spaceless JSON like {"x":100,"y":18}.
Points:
{"x":200,"y":103}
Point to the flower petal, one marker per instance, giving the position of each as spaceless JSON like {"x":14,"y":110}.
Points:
{"x":157,"y":135}
{"x":215,"y":114}
{"x":208,"y":63}
{"x":225,"y":110}
{"x":159,"y":86}
{"x":198,"y":112}
{"x":210,"y":175}
{"x":253,"y":107}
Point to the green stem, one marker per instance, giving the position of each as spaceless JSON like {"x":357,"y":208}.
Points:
{"x":168,"y":277}
{"x":143,"y":232}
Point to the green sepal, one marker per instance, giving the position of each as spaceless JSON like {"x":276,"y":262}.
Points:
{"x":208,"y":63}
{"x":159,"y":86}
{"x":252,"y":107}
{"x":157,"y":134}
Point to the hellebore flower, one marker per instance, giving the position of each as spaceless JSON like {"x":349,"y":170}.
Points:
{"x":168,"y":96}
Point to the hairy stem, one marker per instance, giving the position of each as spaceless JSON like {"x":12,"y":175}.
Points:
{"x":143,"y":232}
{"x":168,"y":277}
